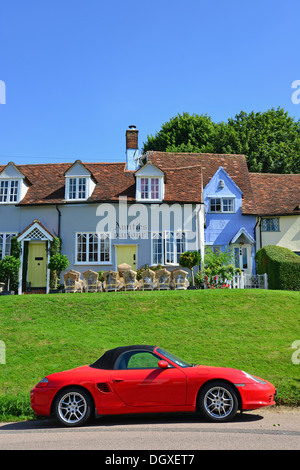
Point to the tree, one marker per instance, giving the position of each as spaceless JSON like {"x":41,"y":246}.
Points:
{"x":184,"y":133}
{"x":57,"y":264}
{"x":270,"y":140}
{"x":189,"y":259}
{"x":9,"y":266}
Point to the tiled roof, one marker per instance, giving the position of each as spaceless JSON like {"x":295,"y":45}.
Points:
{"x":276,"y":194}
{"x":112,"y":181}
{"x":234,"y":165}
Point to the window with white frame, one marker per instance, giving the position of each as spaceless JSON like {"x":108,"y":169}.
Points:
{"x":270,"y":224}
{"x":77,"y":188}
{"x":221,"y":204}
{"x":93,"y":248}
{"x":150,"y":188}
{"x":5,"y":243}
{"x":9,"y":191}
{"x":167,"y":247}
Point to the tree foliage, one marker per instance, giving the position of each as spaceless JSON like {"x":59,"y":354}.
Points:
{"x":189,"y":259}
{"x":57,"y":264}
{"x":9,"y":266}
{"x":184,"y":133}
{"x":270,"y":140}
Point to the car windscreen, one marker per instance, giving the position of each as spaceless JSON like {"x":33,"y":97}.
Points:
{"x":175,"y":359}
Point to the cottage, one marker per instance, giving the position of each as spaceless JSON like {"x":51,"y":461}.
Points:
{"x":277,"y":200}
{"x":105,"y":214}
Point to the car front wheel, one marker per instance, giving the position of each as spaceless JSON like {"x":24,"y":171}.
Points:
{"x":218,"y":401}
{"x":73,"y":407}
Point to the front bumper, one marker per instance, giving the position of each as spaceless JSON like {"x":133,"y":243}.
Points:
{"x":255,"y":395}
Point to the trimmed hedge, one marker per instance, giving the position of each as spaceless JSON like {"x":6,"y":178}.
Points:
{"x":282,"y":266}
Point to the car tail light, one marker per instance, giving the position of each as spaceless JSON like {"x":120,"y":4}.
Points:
{"x":43,"y":383}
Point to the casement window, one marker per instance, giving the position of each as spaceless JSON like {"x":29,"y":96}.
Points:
{"x":221,"y":204}
{"x":270,"y":224}
{"x":93,"y":248}
{"x":5,"y":243}
{"x":9,"y":191}
{"x":167,"y":247}
{"x":77,"y":188}
{"x":150,"y":188}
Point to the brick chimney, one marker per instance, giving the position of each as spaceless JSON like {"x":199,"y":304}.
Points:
{"x":132,"y":148}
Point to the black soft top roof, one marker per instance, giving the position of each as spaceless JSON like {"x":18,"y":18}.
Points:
{"x":108,"y":360}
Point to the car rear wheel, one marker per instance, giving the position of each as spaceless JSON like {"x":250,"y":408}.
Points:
{"x":73,"y":407}
{"x":218,"y":401}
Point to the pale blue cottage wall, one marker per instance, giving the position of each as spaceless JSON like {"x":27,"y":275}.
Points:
{"x":222,"y":227}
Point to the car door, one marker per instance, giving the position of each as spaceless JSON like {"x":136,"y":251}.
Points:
{"x":139,"y":381}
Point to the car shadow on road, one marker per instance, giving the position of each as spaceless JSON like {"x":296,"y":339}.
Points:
{"x":125,"y":420}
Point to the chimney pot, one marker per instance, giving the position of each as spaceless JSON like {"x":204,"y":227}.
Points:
{"x":132,"y":148}
{"x":132,"y":137}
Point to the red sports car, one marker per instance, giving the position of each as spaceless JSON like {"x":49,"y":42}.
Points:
{"x":147,"y":379}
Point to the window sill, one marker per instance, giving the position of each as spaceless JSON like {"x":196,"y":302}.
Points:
{"x":149,"y":200}
{"x":77,"y":200}
{"x":92,"y":263}
{"x":9,"y":203}
{"x":221,"y":212}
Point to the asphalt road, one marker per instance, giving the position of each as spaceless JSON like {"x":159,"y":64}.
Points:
{"x":267,"y":429}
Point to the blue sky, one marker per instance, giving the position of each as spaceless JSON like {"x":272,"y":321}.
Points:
{"x":77,"y":73}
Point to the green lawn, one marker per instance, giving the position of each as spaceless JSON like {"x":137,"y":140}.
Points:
{"x":248,"y":329}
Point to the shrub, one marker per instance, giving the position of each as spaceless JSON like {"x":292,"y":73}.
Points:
{"x":189,"y":259}
{"x":9,"y":267}
{"x":282,"y":266}
{"x":57,"y":264}
{"x":218,"y":269}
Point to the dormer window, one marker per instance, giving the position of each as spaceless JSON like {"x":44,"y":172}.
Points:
{"x":9,"y":191}
{"x":77,"y":188}
{"x":13,"y":185}
{"x":79,"y":183}
{"x":149,"y":184}
{"x":150,"y":188}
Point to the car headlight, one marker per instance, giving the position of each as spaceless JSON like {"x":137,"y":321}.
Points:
{"x":43,"y":383}
{"x":256,"y":379}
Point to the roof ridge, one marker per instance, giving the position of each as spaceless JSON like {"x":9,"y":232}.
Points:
{"x":197,"y":153}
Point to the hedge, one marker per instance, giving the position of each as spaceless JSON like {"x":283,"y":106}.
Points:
{"x":282,"y":266}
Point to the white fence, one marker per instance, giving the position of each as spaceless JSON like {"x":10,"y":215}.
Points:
{"x":240,"y":281}
{"x":249,"y":281}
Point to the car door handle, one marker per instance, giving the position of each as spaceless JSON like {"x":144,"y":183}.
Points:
{"x":118,"y":380}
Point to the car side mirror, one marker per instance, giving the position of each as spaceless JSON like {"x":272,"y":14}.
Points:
{"x":163,"y":364}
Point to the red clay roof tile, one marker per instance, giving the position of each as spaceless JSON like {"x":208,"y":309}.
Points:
{"x":276,"y":194}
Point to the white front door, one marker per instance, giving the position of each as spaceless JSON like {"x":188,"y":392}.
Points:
{"x":242,"y":257}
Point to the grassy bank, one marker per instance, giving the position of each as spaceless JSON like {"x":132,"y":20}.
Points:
{"x":248,"y":329}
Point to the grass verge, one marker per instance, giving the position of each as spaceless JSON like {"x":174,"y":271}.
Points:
{"x":252,"y":330}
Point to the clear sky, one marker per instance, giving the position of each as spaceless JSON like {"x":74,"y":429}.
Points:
{"x":77,"y":73}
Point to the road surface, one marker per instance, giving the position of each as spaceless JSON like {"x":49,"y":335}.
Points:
{"x":266,"y":429}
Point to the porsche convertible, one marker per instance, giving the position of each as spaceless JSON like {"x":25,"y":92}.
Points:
{"x":147,"y":379}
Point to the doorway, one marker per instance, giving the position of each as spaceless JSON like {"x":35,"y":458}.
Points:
{"x":127,"y":254}
{"x":37,"y":264}
{"x":242,"y":258}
